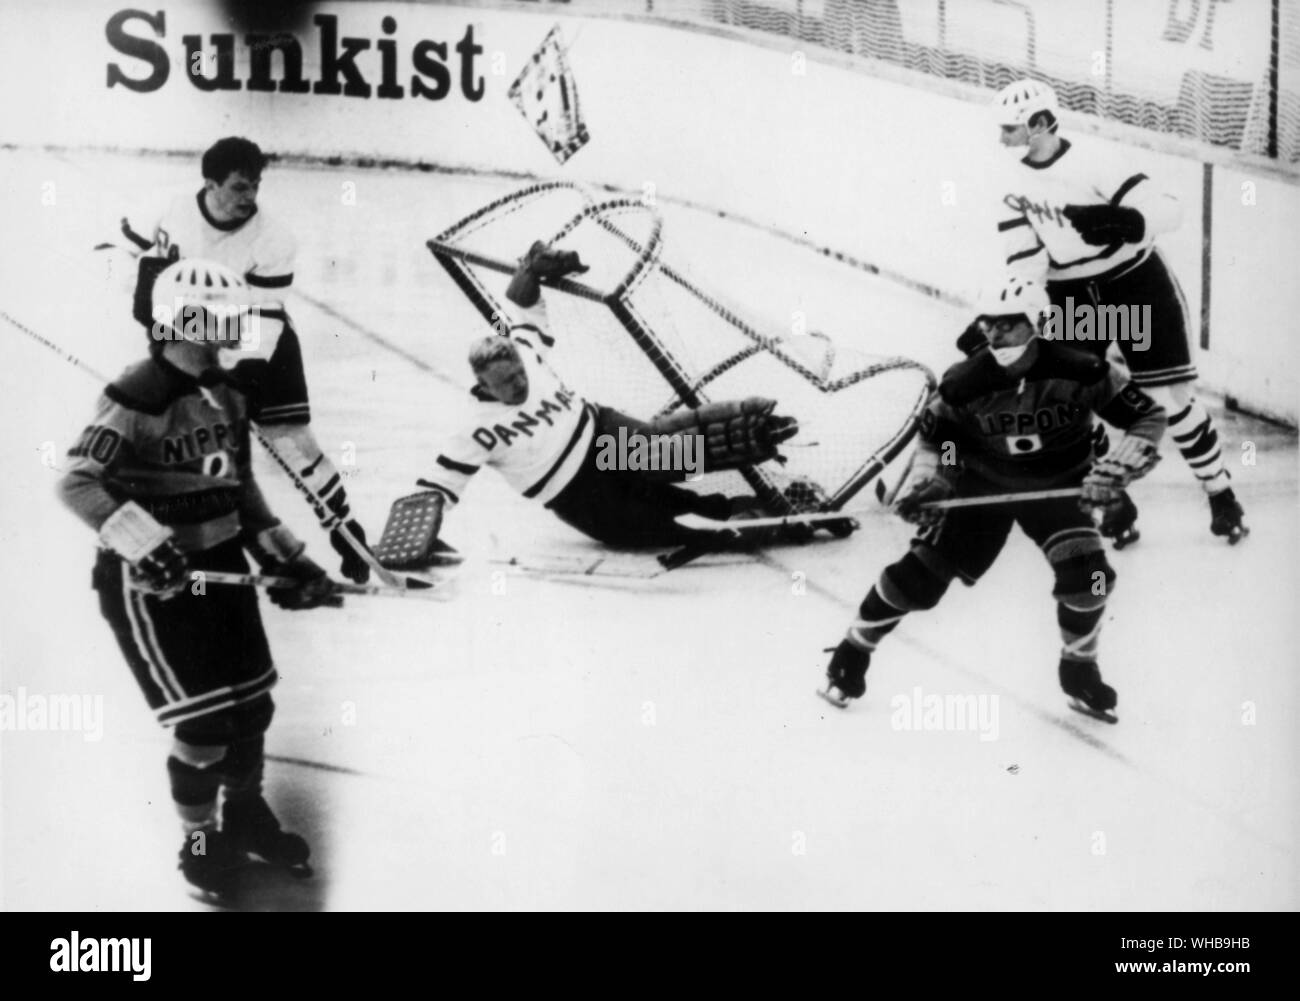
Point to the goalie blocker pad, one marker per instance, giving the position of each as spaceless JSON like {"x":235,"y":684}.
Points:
{"x":410,"y":539}
{"x":736,"y":432}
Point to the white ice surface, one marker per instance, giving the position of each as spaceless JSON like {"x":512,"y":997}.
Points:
{"x":649,"y":745}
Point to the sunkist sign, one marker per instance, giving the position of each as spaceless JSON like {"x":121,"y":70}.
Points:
{"x":343,"y":69}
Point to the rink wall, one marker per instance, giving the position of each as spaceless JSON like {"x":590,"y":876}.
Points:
{"x":819,"y":149}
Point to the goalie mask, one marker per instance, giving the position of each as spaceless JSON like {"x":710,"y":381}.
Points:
{"x":201,"y":302}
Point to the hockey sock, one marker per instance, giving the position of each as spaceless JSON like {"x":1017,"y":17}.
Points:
{"x":876,"y":620}
{"x":1080,"y":630}
{"x":910,"y":585}
{"x":242,"y":770}
{"x":1194,"y":433}
{"x":194,"y":791}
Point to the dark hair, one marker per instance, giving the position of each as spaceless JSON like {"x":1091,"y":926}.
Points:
{"x":231,"y":154}
{"x":1043,"y":118}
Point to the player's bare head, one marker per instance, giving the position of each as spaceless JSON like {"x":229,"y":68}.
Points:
{"x":232,"y":173}
{"x":499,"y":369}
{"x":234,"y":153}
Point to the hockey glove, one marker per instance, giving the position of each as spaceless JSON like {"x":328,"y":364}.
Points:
{"x":1103,"y":487}
{"x":147,"y":272}
{"x":157,"y":566}
{"x":541,"y":262}
{"x":736,"y":433}
{"x":280,"y":554}
{"x":354,"y":567}
{"x":1102,"y":225}
{"x":918,"y":492}
{"x":923,"y":483}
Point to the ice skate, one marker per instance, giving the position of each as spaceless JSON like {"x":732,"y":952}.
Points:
{"x":1226,"y":515}
{"x":846,"y":675}
{"x":250,"y":826}
{"x":1081,"y":680}
{"x":210,"y":862}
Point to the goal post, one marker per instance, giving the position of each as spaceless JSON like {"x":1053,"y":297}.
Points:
{"x":640,"y":335}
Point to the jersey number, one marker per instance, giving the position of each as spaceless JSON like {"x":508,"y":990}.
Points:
{"x":97,"y":442}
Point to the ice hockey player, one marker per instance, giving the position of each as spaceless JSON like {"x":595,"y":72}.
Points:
{"x":1087,"y":226}
{"x":162,"y":475}
{"x":542,"y":437}
{"x":222,"y":222}
{"x":1012,"y":418}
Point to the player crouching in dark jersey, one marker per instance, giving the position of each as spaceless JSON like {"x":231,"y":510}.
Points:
{"x":162,"y":473}
{"x":1015,"y":416}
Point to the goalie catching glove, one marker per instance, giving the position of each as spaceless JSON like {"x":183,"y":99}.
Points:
{"x":541,"y":262}
{"x":280,"y":554}
{"x":736,"y":433}
{"x":1103,"y":487}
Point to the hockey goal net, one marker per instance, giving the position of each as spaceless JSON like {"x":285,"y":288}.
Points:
{"x":638,"y":334}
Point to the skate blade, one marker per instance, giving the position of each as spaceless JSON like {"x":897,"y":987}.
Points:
{"x":1106,"y":716}
{"x":838,"y":703}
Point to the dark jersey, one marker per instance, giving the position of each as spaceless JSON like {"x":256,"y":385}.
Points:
{"x":175,"y":445}
{"x":1035,"y":431}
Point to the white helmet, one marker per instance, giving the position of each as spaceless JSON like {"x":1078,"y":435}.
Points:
{"x":1014,"y":296}
{"x":201,"y":293}
{"x":1018,"y":102}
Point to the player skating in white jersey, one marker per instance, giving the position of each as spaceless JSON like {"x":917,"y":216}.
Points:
{"x":545,"y":439}
{"x":1087,"y":225}
{"x":222,"y":222}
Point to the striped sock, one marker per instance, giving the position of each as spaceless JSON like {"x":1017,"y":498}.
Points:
{"x":1080,"y":630}
{"x":876,"y":619}
{"x":1194,"y":433}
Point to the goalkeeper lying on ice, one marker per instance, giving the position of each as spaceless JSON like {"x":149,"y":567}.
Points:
{"x":547,"y":440}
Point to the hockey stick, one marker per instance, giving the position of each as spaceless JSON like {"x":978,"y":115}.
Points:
{"x":364,"y":554}
{"x":702,"y":523}
{"x":428,"y":592}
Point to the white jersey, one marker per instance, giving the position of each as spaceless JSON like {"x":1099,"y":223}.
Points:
{"x":538,"y":445}
{"x":1041,"y":242}
{"x":259,"y":248}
